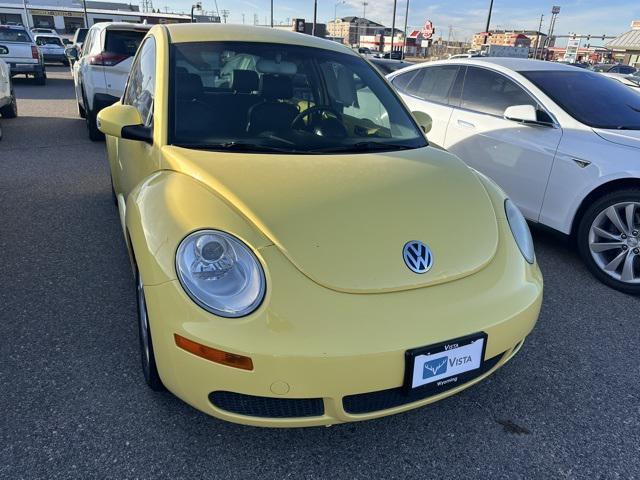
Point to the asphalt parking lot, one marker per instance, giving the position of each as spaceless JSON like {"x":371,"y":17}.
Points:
{"x":74,"y":403}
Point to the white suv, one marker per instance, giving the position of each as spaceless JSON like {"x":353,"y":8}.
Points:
{"x":563,"y":142}
{"x":100,"y":71}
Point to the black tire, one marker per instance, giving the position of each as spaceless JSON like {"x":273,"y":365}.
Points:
{"x":114,"y":197}
{"x":11,"y":110}
{"x":147,"y":355}
{"x":40,"y":78}
{"x":631,"y":239}
{"x":81,"y":112}
{"x":95,"y":135}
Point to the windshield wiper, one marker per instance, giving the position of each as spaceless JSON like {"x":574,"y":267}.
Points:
{"x":236,"y":147}
{"x":363,"y":147}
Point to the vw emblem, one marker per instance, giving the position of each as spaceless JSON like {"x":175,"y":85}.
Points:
{"x":417,"y":256}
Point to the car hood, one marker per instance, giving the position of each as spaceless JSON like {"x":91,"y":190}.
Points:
{"x":630,"y":138}
{"x":343,"y":220}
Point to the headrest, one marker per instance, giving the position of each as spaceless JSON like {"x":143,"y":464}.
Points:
{"x":271,"y":66}
{"x":277,"y":87}
{"x":188,"y":85}
{"x":245,"y":81}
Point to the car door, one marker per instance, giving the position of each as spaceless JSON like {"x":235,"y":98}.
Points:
{"x":136,"y":160}
{"x":518,"y":156}
{"x":427,"y":90}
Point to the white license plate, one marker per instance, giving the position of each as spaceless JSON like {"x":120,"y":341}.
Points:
{"x":445,"y":362}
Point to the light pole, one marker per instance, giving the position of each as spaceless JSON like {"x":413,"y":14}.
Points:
{"x":271,"y":13}
{"x":393,"y":25}
{"x":196,"y":6}
{"x":535,"y":52}
{"x":406,"y":19}
{"x":26,"y":13}
{"x":486,"y":30}
{"x":364,"y":15}
{"x":315,"y":17}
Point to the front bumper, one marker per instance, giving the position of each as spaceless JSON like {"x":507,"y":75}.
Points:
{"x":343,"y":354}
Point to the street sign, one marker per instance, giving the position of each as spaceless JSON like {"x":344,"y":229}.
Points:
{"x":428,"y":30}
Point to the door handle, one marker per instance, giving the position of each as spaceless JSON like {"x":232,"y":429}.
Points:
{"x":466,"y":124}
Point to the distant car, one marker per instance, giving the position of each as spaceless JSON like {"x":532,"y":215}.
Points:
{"x":563,"y":142}
{"x":52,"y":48}
{"x":629,"y":80}
{"x":395,"y":55}
{"x":613,"y":68}
{"x":22,"y":54}
{"x":386,"y":65}
{"x":464,"y":55}
{"x":8,"y":104}
{"x":79,"y":36}
{"x":100,"y":71}
{"x":46,"y":31}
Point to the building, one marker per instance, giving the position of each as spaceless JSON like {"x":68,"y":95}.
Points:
{"x":381,"y":41}
{"x":626,"y":47}
{"x":350,"y":29}
{"x":512,"y":38}
{"x":66,"y":15}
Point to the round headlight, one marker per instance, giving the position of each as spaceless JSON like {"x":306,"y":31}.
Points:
{"x":520,"y":230}
{"x":220,"y":273}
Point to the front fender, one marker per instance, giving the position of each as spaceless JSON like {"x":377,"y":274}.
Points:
{"x":168,"y":206}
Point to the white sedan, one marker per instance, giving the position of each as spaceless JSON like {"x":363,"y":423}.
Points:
{"x":8,"y":104}
{"x":564,"y":143}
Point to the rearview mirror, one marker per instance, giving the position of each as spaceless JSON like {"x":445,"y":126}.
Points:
{"x":72,"y":52}
{"x":521,"y":113}
{"x":424,"y":120}
{"x":123,"y":121}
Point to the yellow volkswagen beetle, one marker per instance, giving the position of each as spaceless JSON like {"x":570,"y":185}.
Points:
{"x":302,"y":256}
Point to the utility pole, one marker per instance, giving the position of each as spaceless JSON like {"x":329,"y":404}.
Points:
{"x":243,"y":18}
{"x":315,"y":17}
{"x":554,"y":13}
{"x":364,"y":15}
{"x":486,"y":30}
{"x":84,"y":8}
{"x":393,"y":24}
{"x":271,"y":14}
{"x":26,"y":14}
{"x":535,"y":52}
{"x":406,"y":19}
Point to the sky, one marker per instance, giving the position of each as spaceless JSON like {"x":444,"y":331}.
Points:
{"x":465,"y":17}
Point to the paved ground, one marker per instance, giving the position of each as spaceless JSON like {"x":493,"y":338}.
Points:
{"x":74,"y":404}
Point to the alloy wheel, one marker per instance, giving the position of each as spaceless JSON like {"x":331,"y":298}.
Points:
{"x":614,"y":241}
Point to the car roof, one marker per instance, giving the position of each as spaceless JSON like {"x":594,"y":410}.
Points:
{"x":120,"y":26}
{"x":202,"y":32}
{"x":519,"y":64}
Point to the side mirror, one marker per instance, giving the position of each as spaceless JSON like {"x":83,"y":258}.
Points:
{"x":424,"y":120}
{"x":66,"y":41}
{"x":123,"y":121}
{"x":521,"y":113}
{"x":72,"y":53}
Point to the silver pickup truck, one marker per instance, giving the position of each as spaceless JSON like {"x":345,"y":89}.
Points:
{"x":22,"y":54}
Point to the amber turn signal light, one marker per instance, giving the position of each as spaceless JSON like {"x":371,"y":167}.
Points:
{"x":213,"y":354}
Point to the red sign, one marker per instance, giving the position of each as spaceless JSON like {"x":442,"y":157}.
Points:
{"x":428,"y":30}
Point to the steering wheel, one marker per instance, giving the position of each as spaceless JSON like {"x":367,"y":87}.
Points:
{"x":312,"y":110}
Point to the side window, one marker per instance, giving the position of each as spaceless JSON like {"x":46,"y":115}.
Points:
{"x":436,"y":83}
{"x":490,"y":92}
{"x":86,"y":46}
{"x":402,"y":81}
{"x":142,"y":80}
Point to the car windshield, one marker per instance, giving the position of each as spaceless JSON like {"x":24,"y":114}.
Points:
{"x":14,"y":35}
{"x":591,"y":98}
{"x":49,"y":41}
{"x":266,"y":97}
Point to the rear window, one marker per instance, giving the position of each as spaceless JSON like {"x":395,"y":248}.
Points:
{"x":123,"y":42}
{"x":49,"y":41}
{"x":14,"y":35}
{"x":81,"y":34}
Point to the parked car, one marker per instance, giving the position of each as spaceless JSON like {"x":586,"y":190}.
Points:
{"x":395,"y":55}
{"x":387,"y":66}
{"x":22,"y":54}
{"x":101,"y":69}
{"x":563,"y":142}
{"x":79,"y":36}
{"x":293,"y":254}
{"x":8,"y":104}
{"x":52,"y":48}
{"x":612,"y":68}
{"x":45,"y":31}
{"x":628,"y":80}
